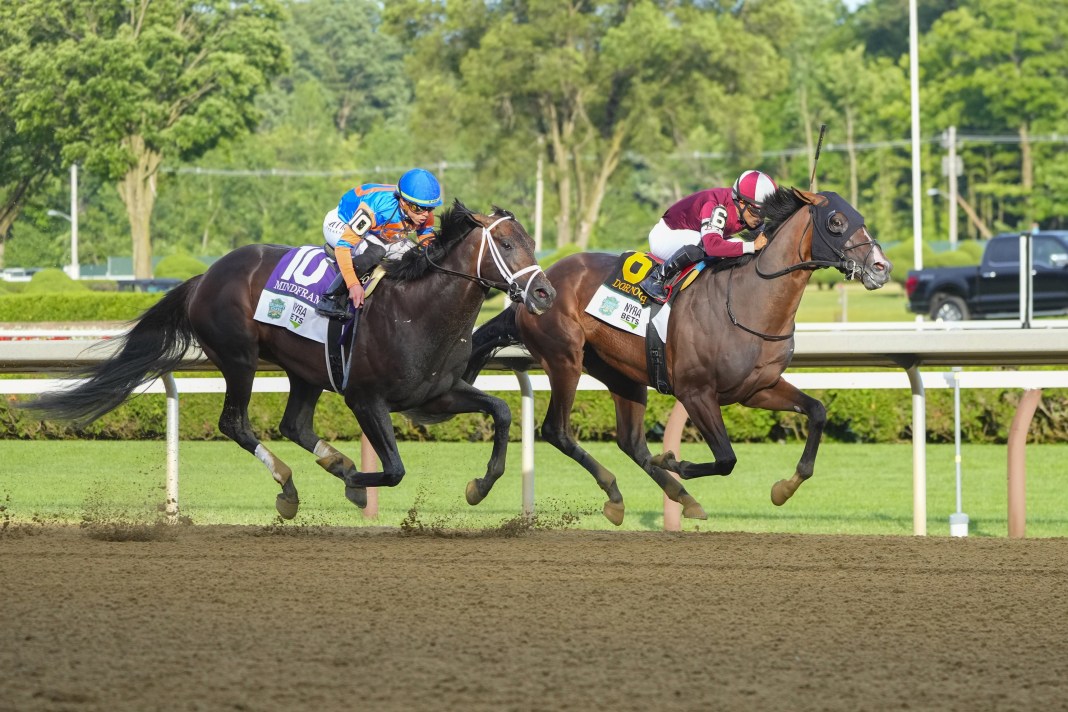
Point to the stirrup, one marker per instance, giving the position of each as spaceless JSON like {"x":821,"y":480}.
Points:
{"x":333,"y":310}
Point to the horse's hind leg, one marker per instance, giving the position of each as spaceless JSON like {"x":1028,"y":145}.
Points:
{"x":297,"y":426}
{"x":785,"y":397}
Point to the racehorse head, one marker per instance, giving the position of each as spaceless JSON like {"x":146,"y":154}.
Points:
{"x":840,"y":239}
{"x":502,"y":258}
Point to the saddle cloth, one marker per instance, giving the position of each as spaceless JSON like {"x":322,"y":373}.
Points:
{"x":620,"y":302}
{"x":291,"y":294}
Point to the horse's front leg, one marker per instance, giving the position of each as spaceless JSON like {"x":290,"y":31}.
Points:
{"x":374,"y":420}
{"x":465,"y":398}
{"x":784,"y":396}
{"x":297,"y":426}
{"x":705,"y":414}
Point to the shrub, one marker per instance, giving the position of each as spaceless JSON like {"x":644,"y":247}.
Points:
{"x":180,"y":266}
{"x":53,"y":281}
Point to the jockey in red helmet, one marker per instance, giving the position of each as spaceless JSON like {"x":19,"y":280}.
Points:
{"x":699,"y":225}
{"x":373,"y":221}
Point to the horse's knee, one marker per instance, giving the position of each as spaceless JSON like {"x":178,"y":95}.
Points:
{"x":392,"y":479}
{"x":817,"y":414}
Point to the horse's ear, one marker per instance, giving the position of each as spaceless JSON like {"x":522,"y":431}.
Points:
{"x":810,"y":198}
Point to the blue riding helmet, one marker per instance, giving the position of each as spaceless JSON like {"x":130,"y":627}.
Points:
{"x":420,"y":187}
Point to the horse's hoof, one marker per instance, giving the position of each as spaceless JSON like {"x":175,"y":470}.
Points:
{"x":336,"y":463}
{"x":287,"y":507}
{"x":782,"y":491}
{"x":357,"y":495}
{"x":666,"y":461}
{"x":473,"y":493}
{"x":691,"y":508}
{"x":613,"y":512}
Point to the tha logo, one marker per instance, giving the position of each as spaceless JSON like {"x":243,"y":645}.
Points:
{"x":609,"y":306}
{"x":298,"y":315}
{"x":275,"y":309}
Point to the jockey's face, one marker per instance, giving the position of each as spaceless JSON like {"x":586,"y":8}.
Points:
{"x":417,"y":214}
{"x":750,"y":215}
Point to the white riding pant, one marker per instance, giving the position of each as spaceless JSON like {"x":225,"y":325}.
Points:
{"x":664,"y":241}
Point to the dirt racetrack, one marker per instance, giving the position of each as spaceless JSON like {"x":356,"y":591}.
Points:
{"x":221,"y":618}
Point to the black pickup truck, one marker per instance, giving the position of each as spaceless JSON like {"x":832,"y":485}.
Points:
{"x":992,"y":289}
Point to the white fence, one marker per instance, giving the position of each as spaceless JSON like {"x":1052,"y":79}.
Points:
{"x":904,"y":346}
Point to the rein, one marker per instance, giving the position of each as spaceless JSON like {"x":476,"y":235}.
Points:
{"x":848,"y":266}
{"x":512,"y":288}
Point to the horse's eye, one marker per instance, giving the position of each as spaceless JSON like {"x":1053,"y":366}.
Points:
{"x":837,"y":223}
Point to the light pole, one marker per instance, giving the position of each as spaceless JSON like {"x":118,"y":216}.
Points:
{"x":74,"y":269}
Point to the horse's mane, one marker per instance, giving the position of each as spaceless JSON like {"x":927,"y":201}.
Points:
{"x":777,"y":210}
{"x":456,"y":222}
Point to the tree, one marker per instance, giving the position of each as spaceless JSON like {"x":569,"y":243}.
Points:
{"x":590,"y":81}
{"x":997,"y":65}
{"x":120,"y":85}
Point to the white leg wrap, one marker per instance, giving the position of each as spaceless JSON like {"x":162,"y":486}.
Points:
{"x":267,"y":458}
{"x":322,"y":449}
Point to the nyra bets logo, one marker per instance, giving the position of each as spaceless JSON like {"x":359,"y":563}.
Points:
{"x":608,"y":306}
{"x":275,"y":309}
{"x":298,"y":315}
{"x":631,"y":316}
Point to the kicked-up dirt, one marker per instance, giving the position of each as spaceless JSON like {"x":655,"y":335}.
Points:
{"x":113,"y":618}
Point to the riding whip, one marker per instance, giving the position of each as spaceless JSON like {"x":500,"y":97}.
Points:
{"x":815,"y":160}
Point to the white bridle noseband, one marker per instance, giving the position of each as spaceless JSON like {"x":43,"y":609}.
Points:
{"x":515,"y":292}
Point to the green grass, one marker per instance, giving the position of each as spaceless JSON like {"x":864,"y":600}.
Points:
{"x":857,"y":489}
{"x":860,"y":305}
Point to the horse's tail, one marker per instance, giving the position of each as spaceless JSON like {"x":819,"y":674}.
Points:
{"x":155,"y":344}
{"x":495,"y":334}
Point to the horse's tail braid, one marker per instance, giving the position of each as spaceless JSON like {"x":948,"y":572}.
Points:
{"x":155,"y":344}
{"x":495,"y":334}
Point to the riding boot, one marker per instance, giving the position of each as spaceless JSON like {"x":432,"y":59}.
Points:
{"x":654,"y":282}
{"x":334,"y":304}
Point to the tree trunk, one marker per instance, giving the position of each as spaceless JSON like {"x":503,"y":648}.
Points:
{"x":560,"y":140}
{"x":138,"y":193}
{"x":595,"y":195}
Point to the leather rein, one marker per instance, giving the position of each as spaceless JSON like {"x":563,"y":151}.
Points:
{"x":515,"y":292}
{"x":846,"y":265}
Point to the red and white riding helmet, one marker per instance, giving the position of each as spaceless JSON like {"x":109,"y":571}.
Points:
{"x":754,"y":187}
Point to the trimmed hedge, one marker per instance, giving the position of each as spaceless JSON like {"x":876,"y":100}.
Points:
{"x":856,"y":416}
{"x":75,"y":306}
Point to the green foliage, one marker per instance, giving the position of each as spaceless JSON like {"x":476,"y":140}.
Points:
{"x":559,"y":254}
{"x":75,"y":306}
{"x":52,"y":281}
{"x":180,"y":266}
{"x":853,"y":416}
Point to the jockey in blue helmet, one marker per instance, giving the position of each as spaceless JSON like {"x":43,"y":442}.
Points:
{"x":373,"y":221}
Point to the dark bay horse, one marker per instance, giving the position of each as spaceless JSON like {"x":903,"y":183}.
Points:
{"x":729,"y":339}
{"x":412,"y":345}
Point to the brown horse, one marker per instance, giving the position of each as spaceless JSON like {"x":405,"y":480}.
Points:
{"x":729,"y":339}
{"x":411,"y":348}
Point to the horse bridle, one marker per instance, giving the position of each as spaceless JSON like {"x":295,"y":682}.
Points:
{"x":511,"y":288}
{"x":822,"y":228}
